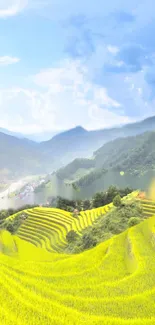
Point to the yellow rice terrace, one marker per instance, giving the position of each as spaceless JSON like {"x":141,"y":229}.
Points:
{"x":111,"y":284}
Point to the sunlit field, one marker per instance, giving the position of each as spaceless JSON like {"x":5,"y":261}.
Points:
{"x":113,"y":283}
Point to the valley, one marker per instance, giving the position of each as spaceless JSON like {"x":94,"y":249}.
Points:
{"x":55,"y":187}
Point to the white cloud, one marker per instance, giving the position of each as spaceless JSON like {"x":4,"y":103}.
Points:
{"x":63,"y":98}
{"x":127,"y":79}
{"x":107,"y":117}
{"x":140,"y":91}
{"x":112,"y":49}
{"x":100,"y":94}
{"x":132,"y":86}
{"x":10,"y":8}
{"x":119,"y":63}
{"x":7,"y":60}
{"x":137,"y":95}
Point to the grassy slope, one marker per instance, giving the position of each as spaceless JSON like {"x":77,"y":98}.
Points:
{"x":109,"y":285}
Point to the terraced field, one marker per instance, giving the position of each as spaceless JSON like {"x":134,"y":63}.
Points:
{"x":111,"y":284}
{"x":48,"y":227}
{"x":148,"y":207}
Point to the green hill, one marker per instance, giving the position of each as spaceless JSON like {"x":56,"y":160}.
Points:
{"x":111,"y":284}
{"x":132,"y":155}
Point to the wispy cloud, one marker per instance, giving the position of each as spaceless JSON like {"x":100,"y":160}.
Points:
{"x":66,"y":97}
{"x":109,"y":48}
{"x":113,"y":49}
{"x":7,"y":60}
{"x":12,"y":7}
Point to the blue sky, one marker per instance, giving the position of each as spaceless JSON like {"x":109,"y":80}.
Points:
{"x":64,"y":64}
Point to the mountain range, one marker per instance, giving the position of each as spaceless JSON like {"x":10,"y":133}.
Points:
{"x":21,"y":156}
{"x":37,"y":137}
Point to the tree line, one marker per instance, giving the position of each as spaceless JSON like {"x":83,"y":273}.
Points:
{"x":98,"y":200}
{"x":74,"y":206}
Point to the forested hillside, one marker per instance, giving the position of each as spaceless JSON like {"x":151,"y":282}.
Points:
{"x":132,"y":153}
{"x":135,"y":155}
{"x":70,"y":169}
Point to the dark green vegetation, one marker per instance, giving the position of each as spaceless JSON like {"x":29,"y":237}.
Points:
{"x":7,"y":213}
{"x":103,"y":198}
{"x":72,"y":236}
{"x":134,"y":156}
{"x":124,"y":216}
{"x":32,"y":158}
{"x":117,"y":201}
{"x":90,"y":177}
{"x":13,"y":225}
{"x":70,"y":169}
{"x":98,"y":200}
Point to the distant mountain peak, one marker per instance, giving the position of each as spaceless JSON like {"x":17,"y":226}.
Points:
{"x":78,"y":130}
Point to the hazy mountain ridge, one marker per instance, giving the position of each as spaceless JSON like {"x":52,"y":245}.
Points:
{"x":78,"y":142}
{"x":23,"y":156}
{"x":20,"y":156}
{"x":36,"y":137}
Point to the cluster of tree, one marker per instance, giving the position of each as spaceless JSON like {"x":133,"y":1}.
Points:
{"x":103,"y":198}
{"x":68,"y":205}
{"x":98,"y":200}
{"x":4,"y":214}
{"x":121,"y":217}
{"x":8,"y":212}
{"x":12,"y":225}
